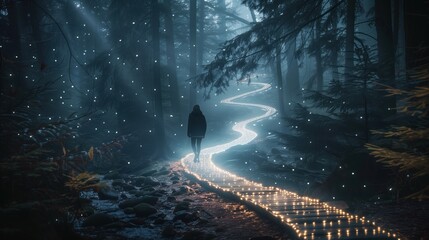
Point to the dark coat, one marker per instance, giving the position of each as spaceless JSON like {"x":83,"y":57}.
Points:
{"x":197,"y":124}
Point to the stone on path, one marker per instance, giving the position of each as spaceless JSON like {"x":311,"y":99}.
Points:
{"x":135,"y":201}
{"x":144,"y":210}
{"x":182,"y":206}
{"x":108,"y":194}
{"x":98,"y":219}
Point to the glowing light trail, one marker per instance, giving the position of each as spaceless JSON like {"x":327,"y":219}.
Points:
{"x":309,"y":218}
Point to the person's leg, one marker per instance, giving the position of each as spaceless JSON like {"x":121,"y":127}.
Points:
{"x":199,"y":146}
{"x":194,"y":149}
{"x":193,"y":140}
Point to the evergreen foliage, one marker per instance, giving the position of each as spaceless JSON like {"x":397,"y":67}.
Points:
{"x":281,"y":22}
{"x":334,"y":126}
{"x":407,"y":147}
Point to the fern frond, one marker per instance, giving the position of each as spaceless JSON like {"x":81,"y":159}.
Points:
{"x":404,"y":161}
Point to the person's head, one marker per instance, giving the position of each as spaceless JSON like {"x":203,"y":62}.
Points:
{"x":196,"y":108}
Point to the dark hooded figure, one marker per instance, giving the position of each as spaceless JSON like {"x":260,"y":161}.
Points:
{"x":196,"y":130}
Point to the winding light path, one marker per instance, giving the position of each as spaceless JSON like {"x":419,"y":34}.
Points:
{"x":309,"y":218}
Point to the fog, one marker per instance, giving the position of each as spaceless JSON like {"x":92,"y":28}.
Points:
{"x":101,"y":87}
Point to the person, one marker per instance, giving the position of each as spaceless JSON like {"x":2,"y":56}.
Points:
{"x":197,"y":126}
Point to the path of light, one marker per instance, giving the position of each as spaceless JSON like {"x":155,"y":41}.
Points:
{"x":309,"y":218}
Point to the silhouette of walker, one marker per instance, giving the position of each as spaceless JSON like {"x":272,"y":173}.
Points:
{"x":197,"y":126}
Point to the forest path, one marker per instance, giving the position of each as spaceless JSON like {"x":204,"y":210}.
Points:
{"x":309,"y":218}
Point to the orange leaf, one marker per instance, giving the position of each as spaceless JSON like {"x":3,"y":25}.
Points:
{"x":64,"y":151}
{"x":91,"y":153}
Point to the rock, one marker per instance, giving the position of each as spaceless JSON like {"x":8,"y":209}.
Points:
{"x":135,"y":191}
{"x":122,"y":184}
{"x":134,"y":201}
{"x":182,"y":206}
{"x":146,"y":181}
{"x":144,"y":210}
{"x":108,"y":194}
{"x":129,"y":203}
{"x":157,"y":194}
{"x":151,"y":182}
{"x":169,"y":231}
{"x":98,"y":219}
{"x":150,"y":199}
{"x":128,"y":187}
{"x":124,"y":196}
{"x":161,"y":191}
{"x":181,"y":215}
{"x":159,"y":221}
{"x":203,"y":221}
{"x":139,"y":180}
{"x":171,"y":199}
{"x":180,"y":212}
{"x":129,"y":210}
{"x":180,"y":191}
{"x":140,"y":193}
{"x":148,"y":189}
{"x":186,"y":217}
{"x":161,"y":215}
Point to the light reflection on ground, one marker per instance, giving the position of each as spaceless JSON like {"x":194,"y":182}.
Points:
{"x":309,"y":218}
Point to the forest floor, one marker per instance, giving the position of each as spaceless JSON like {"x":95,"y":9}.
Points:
{"x":163,"y":203}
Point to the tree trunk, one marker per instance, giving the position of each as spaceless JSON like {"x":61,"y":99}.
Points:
{"x":37,"y":30}
{"x":399,"y":39}
{"x":201,"y":39}
{"x":386,"y":52}
{"x":292,"y":74}
{"x":319,"y":67}
{"x":159,"y":115}
{"x":395,"y":23}
{"x":222,"y":20}
{"x":171,"y":60}
{"x":350,"y":35}
{"x":16,"y":47}
{"x":416,"y":33}
{"x":279,"y":78}
{"x":192,"y":51}
{"x":334,"y":56}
